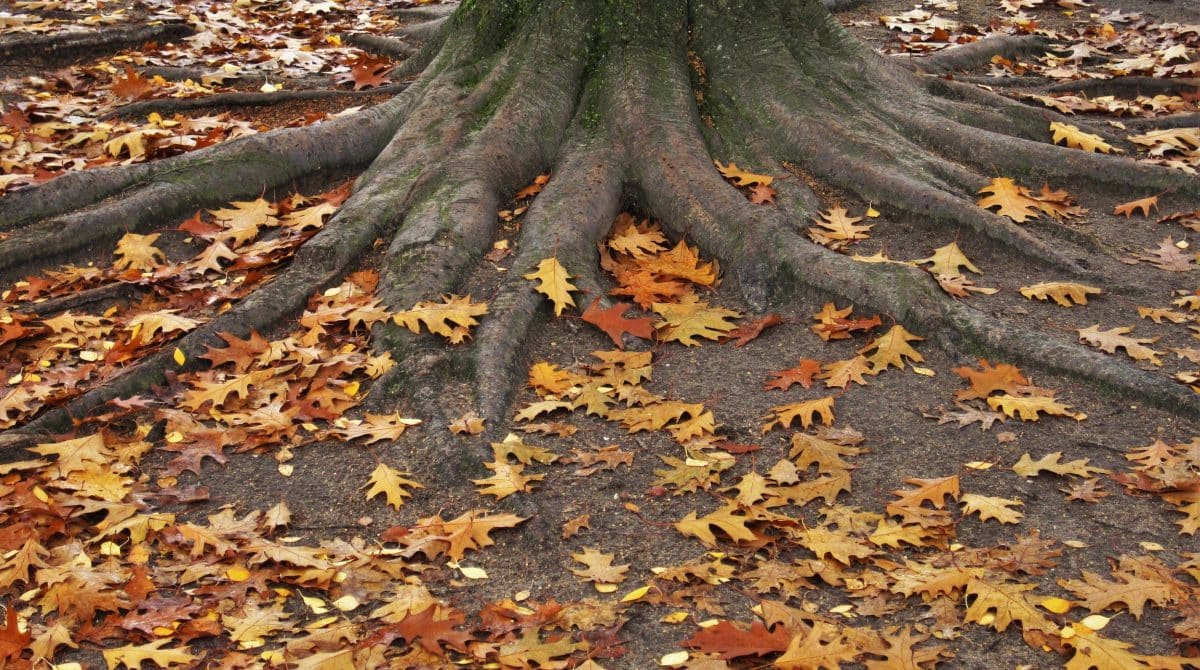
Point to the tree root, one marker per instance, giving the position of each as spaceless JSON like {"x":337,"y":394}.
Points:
{"x":980,"y":52}
{"x":243,"y":99}
{"x":67,"y":46}
{"x":379,"y":44}
{"x":1128,"y":87}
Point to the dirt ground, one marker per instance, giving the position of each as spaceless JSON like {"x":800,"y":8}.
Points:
{"x":326,"y":498}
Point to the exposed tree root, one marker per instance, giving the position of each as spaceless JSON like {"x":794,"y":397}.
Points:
{"x":380,"y":44}
{"x":619,"y":114}
{"x":66,"y":46}
{"x":1128,"y":87}
{"x":969,"y":56}
{"x":243,"y":99}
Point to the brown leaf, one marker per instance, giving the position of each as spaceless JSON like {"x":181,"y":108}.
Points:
{"x":1144,"y":204}
{"x":802,"y":374}
{"x":729,"y":641}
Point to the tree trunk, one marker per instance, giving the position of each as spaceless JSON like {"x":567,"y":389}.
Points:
{"x":627,"y":103}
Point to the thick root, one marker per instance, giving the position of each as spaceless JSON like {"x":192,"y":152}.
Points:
{"x":975,"y":54}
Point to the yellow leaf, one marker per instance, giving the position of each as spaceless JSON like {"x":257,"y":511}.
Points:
{"x":892,"y":349}
{"x":178,"y":356}
{"x":988,"y":507}
{"x":691,"y":318}
{"x":1077,"y":139}
{"x":1056,"y":604}
{"x":391,"y":483}
{"x":137,"y":252}
{"x":1011,"y":200}
{"x":947,"y":260}
{"x":437,"y":317}
{"x":739,"y":176}
{"x":1061,"y":292}
{"x":553,"y":282}
{"x":807,"y":411}
{"x":507,"y":480}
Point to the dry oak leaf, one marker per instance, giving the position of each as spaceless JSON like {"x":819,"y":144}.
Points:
{"x":823,"y":647}
{"x":730,"y":518}
{"x":1144,"y":204}
{"x":729,"y":641}
{"x":1013,"y":201}
{"x":573,"y":527}
{"x":837,"y":230}
{"x":467,"y":424}
{"x":902,"y":652}
{"x":833,"y":324}
{"x":391,"y":483}
{"x":966,"y":415}
{"x":839,"y":374}
{"x":375,"y":426}
{"x":761,"y":194}
{"x":531,"y":652}
{"x":614,"y":324}
{"x":1077,"y":139}
{"x":242,"y":353}
{"x":1062,"y":293}
{"x":526,"y":454}
{"x":549,"y":379}
{"x":600,"y":568}
{"x":507,"y":480}
{"x":1159,"y":314}
{"x":1110,"y":340}
{"x":933,"y":491}
{"x":842,"y":547}
{"x":553,"y":282}
{"x":691,"y":318}
{"x":948,"y":260}
{"x":891,"y":349}
{"x":1027,"y":467}
{"x":437,"y":317}
{"x":132,"y":656}
{"x":132,"y":86}
{"x":433,"y":626}
{"x":242,"y":220}
{"x":137,"y":252}
{"x":683,"y":262}
{"x":1168,"y":257}
{"x":807,"y":411}
{"x":988,"y":507}
{"x":143,"y":327}
{"x":433,"y":536}
{"x":1006,"y":603}
{"x":636,"y":240}
{"x":960,"y":286}
{"x":539,"y":182}
{"x":1097,"y":593}
{"x":740,"y":177}
{"x":1095,"y":652}
{"x":745,"y":333}
{"x":1028,"y":407}
{"x":989,"y":379}
{"x":12,"y":641}
{"x":802,"y":374}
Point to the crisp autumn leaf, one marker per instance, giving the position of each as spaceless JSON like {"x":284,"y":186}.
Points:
{"x":834,"y":324}
{"x":1110,"y":340}
{"x":12,"y":641}
{"x":467,"y":424}
{"x":1029,"y":407}
{"x":628,"y":237}
{"x":600,"y":568}
{"x":438,"y":317}
{"x":761,"y":194}
{"x":535,"y":187}
{"x":839,"y":374}
{"x":573,"y":527}
{"x":690,"y":318}
{"x":745,"y":333}
{"x":1144,"y":204}
{"x":549,"y":379}
{"x":392,"y":483}
{"x":948,"y":260}
{"x":1011,"y":200}
{"x":366,"y":71}
{"x":137,"y":252}
{"x":740,"y":177}
{"x":988,"y":507}
{"x":683,"y":262}
{"x":553,"y":282}
{"x":132,"y":656}
{"x":143,"y":327}
{"x":1027,"y":467}
{"x":132,"y":85}
{"x":962,"y":287}
{"x":512,"y":446}
{"x":614,"y":324}
{"x":823,"y":647}
{"x":729,"y":518}
{"x":1000,"y":604}
{"x":1062,"y":293}
{"x":242,"y":353}
{"x":989,"y":379}
{"x":1077,"y":139}
{"x":434,"y":628}
{"x":507,"y":479}
{"x":802,"y":374}
{"x":837,"y":230}
{"x":807,"y":411}
{"x":892,"y":349}
{"x":728,"y":641}
{"x":1168,"y":256}
{"x":1131,"y":590}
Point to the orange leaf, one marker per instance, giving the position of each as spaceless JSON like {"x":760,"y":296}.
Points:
{"x":1145,"y":204}
{"x":614,"y":324}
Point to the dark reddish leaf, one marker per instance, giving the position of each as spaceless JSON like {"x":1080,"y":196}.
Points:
{"x":614,"y":324}
{"x":802,"y":374}
{"x":433,"y":635}
{"x":761,"y":194}
{"x":729,"y":641}
{"x":748,"y":331}
{"x":12,"y":641}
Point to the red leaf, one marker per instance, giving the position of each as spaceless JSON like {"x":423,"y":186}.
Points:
{"x":732,"y":642}
{"x":748,"y":331}
{"x":613,"y":322}
{"x":12,"y":640}
{"x":802,"y":374}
